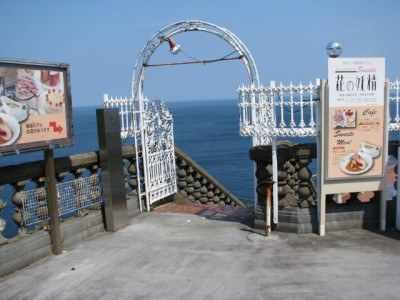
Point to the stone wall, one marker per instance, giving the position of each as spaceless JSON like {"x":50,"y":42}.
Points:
{"x":295,"y":185}
{"x":196,"y":185}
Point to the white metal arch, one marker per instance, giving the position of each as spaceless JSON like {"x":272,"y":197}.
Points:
{"x":184,"y":26}
{"x":138,"y":130}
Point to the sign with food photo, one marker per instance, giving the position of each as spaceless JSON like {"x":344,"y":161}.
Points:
{"x":356,"y":113}
{"x":35,"y":106}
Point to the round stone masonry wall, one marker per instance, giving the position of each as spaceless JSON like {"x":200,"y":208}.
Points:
{"x":295,"y":185}
{"x":196,"y":186}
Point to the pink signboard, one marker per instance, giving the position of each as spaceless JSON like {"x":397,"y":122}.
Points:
{"x":35,"y":107}
{"x":356,"y":118}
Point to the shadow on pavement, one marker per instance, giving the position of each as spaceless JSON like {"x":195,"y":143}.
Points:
{"x":241,"y":215}
{"x":391,"y":232}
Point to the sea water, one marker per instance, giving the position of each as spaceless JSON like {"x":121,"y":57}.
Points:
{"x":206,"y":130}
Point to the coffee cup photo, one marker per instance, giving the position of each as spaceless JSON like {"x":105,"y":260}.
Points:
{"x":370,"y":149}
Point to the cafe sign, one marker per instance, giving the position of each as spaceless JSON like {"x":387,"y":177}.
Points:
{"x":355,"y":146}
{"x":35,"y":106}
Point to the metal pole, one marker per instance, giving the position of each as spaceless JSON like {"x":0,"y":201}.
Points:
{"x":321,"y":160}
{"x":382,"y":217}
{"x":52,"y":202}
{"x":269,"y":184}
{"x":275,"y":178}
{"x":383,"y":193}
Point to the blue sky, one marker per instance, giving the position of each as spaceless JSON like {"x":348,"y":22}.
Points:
{"x":101,"y":40}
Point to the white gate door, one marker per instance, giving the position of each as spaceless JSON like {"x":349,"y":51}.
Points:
{"x":158,"y":152}
{"x":150,"y":123}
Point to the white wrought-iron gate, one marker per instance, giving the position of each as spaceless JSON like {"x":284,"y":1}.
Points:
{"x":151,"y":127}
{"x":159,"y":158}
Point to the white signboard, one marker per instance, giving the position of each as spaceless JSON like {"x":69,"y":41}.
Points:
{"x":356,"y":118}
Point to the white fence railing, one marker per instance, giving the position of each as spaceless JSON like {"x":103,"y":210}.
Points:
{"x":126,"y":109}
{"x":292,"y":110}
{"x":394,"y":104}
{"x":283,"y":111}
{"x":271,"y":111}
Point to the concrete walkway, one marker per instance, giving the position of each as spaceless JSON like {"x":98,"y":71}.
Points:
{"x":203,"y":253}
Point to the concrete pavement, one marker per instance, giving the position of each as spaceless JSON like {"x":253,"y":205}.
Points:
{"x":209,"y":254}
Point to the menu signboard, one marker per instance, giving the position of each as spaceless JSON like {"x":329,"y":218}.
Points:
{"x":35,"y":107}
{"x":356,"y":118}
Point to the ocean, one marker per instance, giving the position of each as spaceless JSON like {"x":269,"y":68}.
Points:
{"x":206,"y":130}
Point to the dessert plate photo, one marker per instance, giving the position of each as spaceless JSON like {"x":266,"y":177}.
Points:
{"x":13,"y":108}
{"x":356,"y":163}
{"x":344,"y":118}
{"x":9,"y":130}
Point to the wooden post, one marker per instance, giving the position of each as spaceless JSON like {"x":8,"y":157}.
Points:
{"x":55,"y":233}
